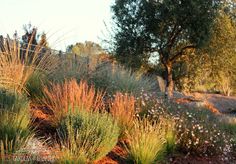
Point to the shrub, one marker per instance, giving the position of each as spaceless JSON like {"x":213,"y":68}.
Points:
{"x":228,"y":124}
{"x":230,"y":129}
{"x":199,"y":133}
{"x":61,"y":97}
{"x":146,"y":141}
{"x":86,"y":137}
{"x":122,"y":108}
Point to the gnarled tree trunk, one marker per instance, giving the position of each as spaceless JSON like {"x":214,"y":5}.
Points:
{"x":169,"y":80}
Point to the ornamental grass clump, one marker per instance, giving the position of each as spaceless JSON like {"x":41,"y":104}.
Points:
{"x":87,"y":136}
{"x":146,"y":141}
{"x":122,"y":108}
{"x":18,"y":64}
{"x":71,"y":95}
{"x":15,"y":129}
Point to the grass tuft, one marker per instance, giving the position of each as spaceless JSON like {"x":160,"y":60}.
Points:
{"x":146,"y":141}
{"x":71,"y":95}
{"x":87,"y":136}
{"x":122,"y":109}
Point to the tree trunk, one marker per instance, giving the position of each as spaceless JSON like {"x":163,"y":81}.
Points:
{"x":169,"y":81}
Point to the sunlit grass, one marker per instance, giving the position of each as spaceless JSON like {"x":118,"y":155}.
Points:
{"x":17,"y":65}
{"x":71,"y":95}
{"x":15,"y":122}
{"x":115,"y":78}
{"x":122,"y":108}
{"x":87,"y":136}
{"x":146,"y":141}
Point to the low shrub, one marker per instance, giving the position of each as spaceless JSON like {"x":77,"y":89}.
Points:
{"x":146,"y":141}
{"x":86,"y":136}
{"x":199,"y":133}
{"x":228,"y":124}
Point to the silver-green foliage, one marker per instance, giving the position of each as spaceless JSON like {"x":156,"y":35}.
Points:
{"x":86,"y":137}
{"x":115,"y":78}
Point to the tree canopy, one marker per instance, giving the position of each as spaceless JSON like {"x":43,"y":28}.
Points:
{"x":166,"y":27}
{"x":214,"y":67}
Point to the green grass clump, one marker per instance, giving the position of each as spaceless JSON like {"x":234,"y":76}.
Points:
{"x":14,"y":123}
{"x":146,"y":141}
{"x":12,"y":101}
{"x":34,"y":86}
{"x":86,"y":136}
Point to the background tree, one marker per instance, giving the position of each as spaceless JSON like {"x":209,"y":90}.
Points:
{"x":85,"y":49}
{"x":30,"y":35}
{"x":166,"y":27}
{"x":213,"y":68}
{"x":33,"y":42}
{"x":43,"y":40}
{"x":88,"y":52}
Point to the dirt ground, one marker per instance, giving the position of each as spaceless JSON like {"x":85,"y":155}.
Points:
{"x":215,"y":102}
{"x":223,"y":103}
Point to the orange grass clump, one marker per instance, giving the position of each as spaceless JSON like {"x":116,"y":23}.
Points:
{"x":14,"y":74}
{"x":122,"y":109}
{"x":71,"y":97}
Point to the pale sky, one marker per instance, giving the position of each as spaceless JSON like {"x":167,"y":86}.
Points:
{"x":64,"y":21}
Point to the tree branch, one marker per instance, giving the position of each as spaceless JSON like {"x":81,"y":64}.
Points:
{"x":173,"y":38}
{"x":173,"y":35}
{"x":180,"y":53}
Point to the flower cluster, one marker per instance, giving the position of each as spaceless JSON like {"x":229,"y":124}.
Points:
{"x":197,"y":131}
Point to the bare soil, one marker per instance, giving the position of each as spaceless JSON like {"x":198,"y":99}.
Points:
{"x":217,"y":103}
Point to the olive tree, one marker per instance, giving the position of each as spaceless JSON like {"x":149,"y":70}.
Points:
{"x":169,"y":28}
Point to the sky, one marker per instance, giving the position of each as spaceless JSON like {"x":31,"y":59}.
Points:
{"x":64,"y":21}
